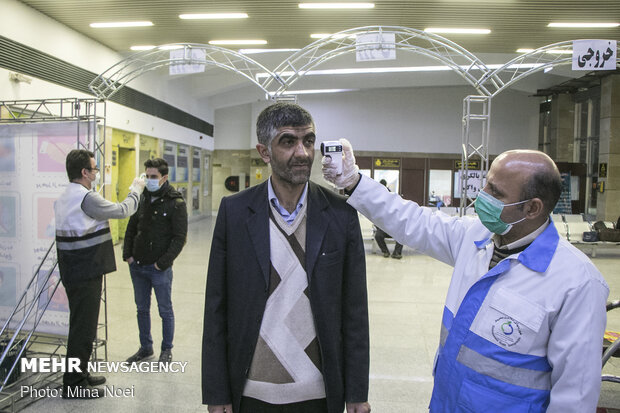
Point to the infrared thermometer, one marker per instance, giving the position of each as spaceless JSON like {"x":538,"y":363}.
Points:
{"x":333,"y":149}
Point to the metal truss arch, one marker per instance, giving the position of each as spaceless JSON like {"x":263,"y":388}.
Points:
{"x":114,"y":78}
{"x":546,"y":57}
{"x":431,"y":45}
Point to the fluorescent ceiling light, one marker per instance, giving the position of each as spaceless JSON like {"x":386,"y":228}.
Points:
{"x":456,"y":30}
{"x":552,"y":51}
{"x":517,"y":66}
{"x":584,"y":25}
{"x":120,"y":24}
{"x":314,"y":91}
{"x":237,"y":42}
{"x":336,"y":5}
{"x":145,"y":47}
{"x":371,"y":70}
{"x":359,"y":71}
{"x":213,"y":16}
{"x":255,"y":51}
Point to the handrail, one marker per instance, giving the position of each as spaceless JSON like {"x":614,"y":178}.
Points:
{"x":28,"y":307}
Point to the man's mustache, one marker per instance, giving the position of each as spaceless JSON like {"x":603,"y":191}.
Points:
{"x":300,"y":162}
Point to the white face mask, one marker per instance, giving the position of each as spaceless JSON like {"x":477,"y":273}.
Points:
{"x":97,"y":181}
{"x":152,"y":185}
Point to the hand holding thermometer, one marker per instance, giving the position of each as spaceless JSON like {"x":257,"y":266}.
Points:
{"x":333,"y":149}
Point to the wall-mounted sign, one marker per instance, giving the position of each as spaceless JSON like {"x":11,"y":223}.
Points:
{"x":170,"y":156}
{"x":387,"y":162}
{"x":602,"y":170}
{"x":470,"y":164}
{"x":182,"y":163}
{"x":475,"y":182}
{"x":196,"y":165}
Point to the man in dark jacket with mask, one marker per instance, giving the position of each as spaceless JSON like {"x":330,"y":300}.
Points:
{"x":154,"y":237}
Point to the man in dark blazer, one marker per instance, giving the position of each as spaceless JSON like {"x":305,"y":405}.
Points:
{"x":286,"y":318}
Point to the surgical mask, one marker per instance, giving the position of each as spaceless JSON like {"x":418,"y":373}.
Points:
{"x":97,"y":181}
{"x":152,"y":185}
{"x":489,"y":210}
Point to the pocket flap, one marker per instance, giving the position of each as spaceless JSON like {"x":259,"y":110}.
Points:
{"x":513,"y":304}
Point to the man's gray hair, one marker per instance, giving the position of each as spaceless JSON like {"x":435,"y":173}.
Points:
{"x":545,"y":184}
{"x":279,"y":115}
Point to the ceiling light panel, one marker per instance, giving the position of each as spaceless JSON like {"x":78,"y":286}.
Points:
{"x":121,"y":24}
{"x":213,"y":16}
{"x":316,"y":91}
{"x":584,"y":25}
{"x":455,"y":30}
{"x":337,"y":36}
{"x":336,"y":5}
{"x":237,"y":42}
{"x":142,"y":47}
{"x":257,"y":51}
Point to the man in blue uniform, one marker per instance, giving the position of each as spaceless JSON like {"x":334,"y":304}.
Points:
{"x":523,"y":324}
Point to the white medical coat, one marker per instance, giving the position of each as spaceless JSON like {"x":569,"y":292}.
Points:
{"x":557,"y":295}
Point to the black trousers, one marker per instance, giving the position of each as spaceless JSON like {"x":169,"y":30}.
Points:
{"x":250,"y":405}
{"x":84,"y":301}
{"x":380,"y":237}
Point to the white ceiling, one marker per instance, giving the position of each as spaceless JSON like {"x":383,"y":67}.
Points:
{"x":513,"y":24}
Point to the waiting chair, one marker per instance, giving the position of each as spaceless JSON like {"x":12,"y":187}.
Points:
{"x":611,"y":344}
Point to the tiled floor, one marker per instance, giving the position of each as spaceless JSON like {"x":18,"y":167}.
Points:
{"x":406,"y":301}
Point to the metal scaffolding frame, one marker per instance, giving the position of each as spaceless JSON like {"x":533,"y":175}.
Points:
{"x":420,"y":42}
{"x":18,"y":334}
{"x":202,"y":55}
{"x":496,"y":81}
{"x":487,"y":82}
{"x":476,"y":112}
{"x":543,"y":58}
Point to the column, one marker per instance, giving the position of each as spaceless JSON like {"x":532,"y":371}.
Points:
{"x":561,"y":130}
{"x":608,"y":203}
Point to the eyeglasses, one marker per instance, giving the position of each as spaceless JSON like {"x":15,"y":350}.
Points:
{"x":93,"y":169}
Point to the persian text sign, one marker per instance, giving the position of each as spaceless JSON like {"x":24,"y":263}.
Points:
{"x":375,"y":46}
{"x":196,"y":57}
{"x":594,"y":54}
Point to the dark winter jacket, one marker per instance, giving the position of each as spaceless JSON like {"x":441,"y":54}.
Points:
{"x":157,"y":232}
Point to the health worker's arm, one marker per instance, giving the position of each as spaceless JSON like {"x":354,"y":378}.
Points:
{"x":425,"y":229}
{"x":95,"y":206}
